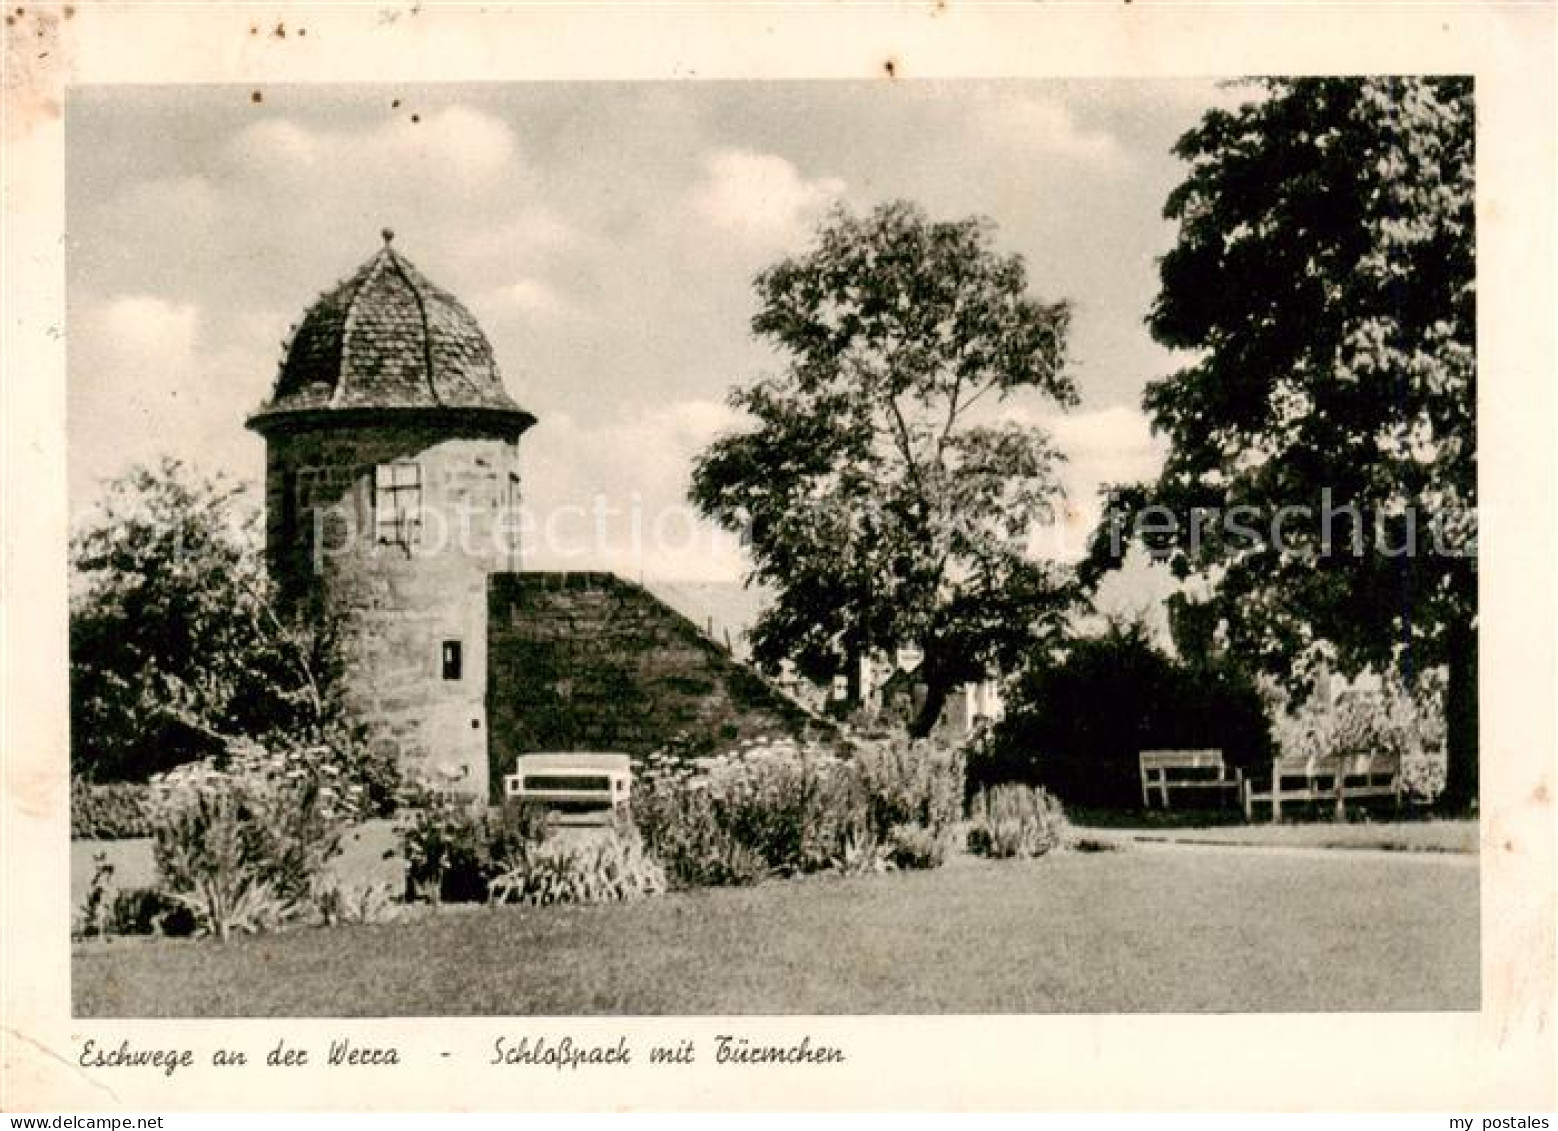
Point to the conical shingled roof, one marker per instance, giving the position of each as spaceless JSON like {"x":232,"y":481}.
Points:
{"x":388,"y":339}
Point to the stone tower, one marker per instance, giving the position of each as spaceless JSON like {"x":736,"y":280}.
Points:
{"x":392,"y":484}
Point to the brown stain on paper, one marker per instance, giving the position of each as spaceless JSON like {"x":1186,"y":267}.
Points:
{"x":35,"y":68}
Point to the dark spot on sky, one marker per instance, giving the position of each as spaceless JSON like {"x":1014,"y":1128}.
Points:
{"x":256,"y":97}
{"x":254,"y":29}
{"x":395,"y":105}
{"x":891,"y":67}
{"x":9,"y":19}
{"x":415,"y":118}
{"x":279,"y":31}
{"x":302,"y":31}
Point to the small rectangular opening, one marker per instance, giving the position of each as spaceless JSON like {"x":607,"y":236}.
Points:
{"x":452,"y":660}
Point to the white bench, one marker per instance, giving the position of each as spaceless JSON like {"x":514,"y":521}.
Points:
{"x":1166,"y":770}
{"x":573,"y":782}
{"x":1299,"y":777}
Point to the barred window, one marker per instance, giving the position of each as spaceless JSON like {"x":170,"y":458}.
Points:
{"x":397,"y":503}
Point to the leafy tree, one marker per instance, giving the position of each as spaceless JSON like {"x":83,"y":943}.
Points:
{"x":177,"y":646}
{"x":1323,"y":279}
{"x":881,"y":507}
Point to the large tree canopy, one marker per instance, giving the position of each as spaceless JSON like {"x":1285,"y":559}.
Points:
{"x":1323,"y":280}
{"x":881,"y":499}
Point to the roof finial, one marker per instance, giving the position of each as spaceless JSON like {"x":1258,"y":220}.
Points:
{"x":389,"y":236}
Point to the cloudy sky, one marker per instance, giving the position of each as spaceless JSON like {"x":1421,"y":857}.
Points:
{"x":604,"y":234}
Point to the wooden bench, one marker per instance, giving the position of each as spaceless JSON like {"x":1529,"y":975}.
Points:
{"x":1299,"y":777}
{"x":1166,"y":770}
{"x":575,"y":784}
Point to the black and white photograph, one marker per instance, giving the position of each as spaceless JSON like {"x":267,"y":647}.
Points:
{"x":809,"y":547}
{"x":778,"y":557}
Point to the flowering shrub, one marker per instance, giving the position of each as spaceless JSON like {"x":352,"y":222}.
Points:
{"x":783,"y":807}
{"x":683,"y":824}
{"x":914,"y":792}
{"x":1016,"y":820}
{"x":453,"y":849}
{"x":447,"y":849}
{"x":455,"y":853}
{"x":108,"y":810}
{"x":147,"y":911}
{"x":605,"y":869}
{"x":360,"y":903}
{"x":1423,"y":775}
{"x":912,"y":847}
{"x":1391,"y":723}
{"x":244,"y":844}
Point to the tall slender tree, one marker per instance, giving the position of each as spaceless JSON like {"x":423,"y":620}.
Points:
{"x":882,"y":501}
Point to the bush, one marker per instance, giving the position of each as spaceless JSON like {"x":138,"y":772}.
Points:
{"x":459,"y":854}
{"x":131,"y":911}
{"x":608,"y":869}
{"x":912,"y":783}
{"x":244,"y":845}
{"x":447,"y":852}
{"x":1392,"y":722}
{"x":149,"y":911}
{"x":785,"y":808}
{"x":1423,"y":776}
{"x":356,"y":903}
{"x":1016,"y":820}
{"x":453,"y":849}
{"x":768,"y":808}
{"x":913,"y":847}
{"x":1077,"y":726}
{"x":109,"y":810}
{"x":914,"y":797}
{"x":684,"y":827}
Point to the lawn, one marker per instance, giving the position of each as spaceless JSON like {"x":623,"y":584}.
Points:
{"x":1135,"y":930}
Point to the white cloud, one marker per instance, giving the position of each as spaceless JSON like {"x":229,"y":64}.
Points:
{"x":1102,"y":447}
{"x":760,"y":197}
{"x":612,"y":494}
{"x":274,"y":147}
{"x":162,"y":382}
{"x":148,"y":331}
{"x":1044,"y":125}
{"x":1120,"y":437}
{"x":455,"y":145}
{"x":531,"y":298}
{"x":509,"y":239}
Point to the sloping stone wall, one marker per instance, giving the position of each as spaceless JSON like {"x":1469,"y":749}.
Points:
{"x":587,"y":661}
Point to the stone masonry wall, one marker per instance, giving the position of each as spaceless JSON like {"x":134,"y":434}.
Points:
{"x":401,"y":603}
{"x":587,"y":661}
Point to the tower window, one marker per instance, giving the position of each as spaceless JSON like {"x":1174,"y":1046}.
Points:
{"x":453,"y":660}
{"x":397,"y":503}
